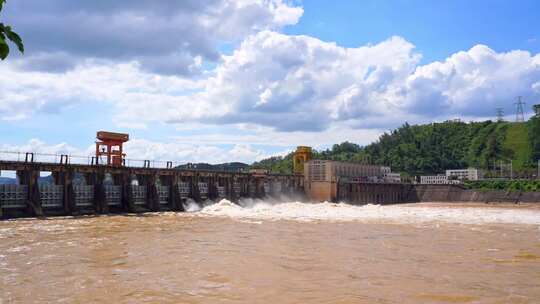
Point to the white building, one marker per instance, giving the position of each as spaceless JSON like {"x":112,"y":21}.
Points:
{"x":391,"y":177}
{"x":464,"y":174}
{"x":440,"y":179}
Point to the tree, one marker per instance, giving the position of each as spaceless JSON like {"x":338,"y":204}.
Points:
{"x":7,"y":33}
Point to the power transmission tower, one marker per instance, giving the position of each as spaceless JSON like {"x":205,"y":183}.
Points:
{"x":500,"y":114}
{"x":520,"y":117}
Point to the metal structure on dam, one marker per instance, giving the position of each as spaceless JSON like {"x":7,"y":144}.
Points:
{"x":85,"y":189}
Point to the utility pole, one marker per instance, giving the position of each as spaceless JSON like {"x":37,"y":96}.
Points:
{"x":500,"y":114}
{"x":520,"y":117}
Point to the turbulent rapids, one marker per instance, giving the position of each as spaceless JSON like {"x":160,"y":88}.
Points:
{"x":289,"y":209}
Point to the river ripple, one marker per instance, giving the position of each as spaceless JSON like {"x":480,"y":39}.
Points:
{"x":219,"y":256}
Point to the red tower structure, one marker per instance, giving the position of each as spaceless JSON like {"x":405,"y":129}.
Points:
{"x":109,"y":144}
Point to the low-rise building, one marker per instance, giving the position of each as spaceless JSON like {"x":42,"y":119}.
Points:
{"x":439,"y":179}
{"x":464,"y":174}
{"x":392,"y":177}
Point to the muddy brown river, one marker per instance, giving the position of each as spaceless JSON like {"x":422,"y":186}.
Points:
{"x":277,"y":253}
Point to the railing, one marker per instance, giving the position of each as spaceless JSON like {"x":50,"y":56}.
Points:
{"x":69,"y":159}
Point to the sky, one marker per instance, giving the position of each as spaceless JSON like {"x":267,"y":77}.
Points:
{"x":220,"y":80}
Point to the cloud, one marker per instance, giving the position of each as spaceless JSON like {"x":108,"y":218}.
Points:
{"x":137,"y":151}
{"x":473,"y":83}
{"x":38,"y":146}
{"x":166,"y":37}
{"x":289,"y":84}
{"x":300,"y":83}
{"x":183,"y":153}
{"x":124,"y":85}
{"x":266,"y":136}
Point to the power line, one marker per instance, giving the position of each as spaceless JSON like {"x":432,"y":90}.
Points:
{"x":520,"y":117}
{"x":500,"y":114}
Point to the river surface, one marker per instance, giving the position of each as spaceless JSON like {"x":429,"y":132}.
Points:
{"x":277,"y":253}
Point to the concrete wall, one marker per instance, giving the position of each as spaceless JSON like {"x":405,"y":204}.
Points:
{"x":376,"y":193}
{"x":454,"y":193}
{"x":366,"y":193}
{"x":321,"y":191}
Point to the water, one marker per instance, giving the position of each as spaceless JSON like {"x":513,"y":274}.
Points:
{"x":277,"y":253}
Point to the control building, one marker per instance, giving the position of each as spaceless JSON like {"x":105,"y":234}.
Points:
{"x":323,"y":178}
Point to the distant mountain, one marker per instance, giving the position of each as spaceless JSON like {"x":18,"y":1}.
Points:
{"x":44,"y":180}
{"x":228,"y":167}
{"x":7,"y":181}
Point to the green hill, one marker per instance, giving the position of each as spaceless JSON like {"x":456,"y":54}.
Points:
{"x":435,"y":147}
{"x":517,"y":141}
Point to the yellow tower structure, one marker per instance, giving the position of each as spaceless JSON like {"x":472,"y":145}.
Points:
{"x":301,"y":155}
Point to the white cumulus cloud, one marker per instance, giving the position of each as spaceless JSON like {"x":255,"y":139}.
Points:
{"x":137,"y":151}
{"x":289,"y":83}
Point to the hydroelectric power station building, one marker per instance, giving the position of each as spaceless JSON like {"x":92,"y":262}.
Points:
{"x":328,"y":180}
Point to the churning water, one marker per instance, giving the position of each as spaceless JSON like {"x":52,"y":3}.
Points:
{"x":279,"y":251}
{"x":409,"y":213}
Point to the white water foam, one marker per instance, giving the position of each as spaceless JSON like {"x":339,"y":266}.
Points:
{"x":294,"y":210}
{"x":191,"y":206}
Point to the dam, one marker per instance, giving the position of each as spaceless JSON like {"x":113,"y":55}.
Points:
{"x":110,"y":183}
{"x":109,"y":189}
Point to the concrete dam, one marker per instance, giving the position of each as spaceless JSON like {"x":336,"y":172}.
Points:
{"x":111,"y":186}
{"x":108,"y":189}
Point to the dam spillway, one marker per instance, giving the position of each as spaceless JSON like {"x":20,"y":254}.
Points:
{"x":87,"y":189}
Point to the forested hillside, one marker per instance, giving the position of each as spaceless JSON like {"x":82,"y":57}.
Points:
{"x":433,"y":148}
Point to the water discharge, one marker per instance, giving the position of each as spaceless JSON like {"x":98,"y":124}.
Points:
{"x":277,"y":250}
{"x":191,"y":206}
{"x":405,"y":213}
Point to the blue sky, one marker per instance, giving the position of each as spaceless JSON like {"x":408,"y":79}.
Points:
{"x":222,"y":80}
{"x":437,"y":28}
